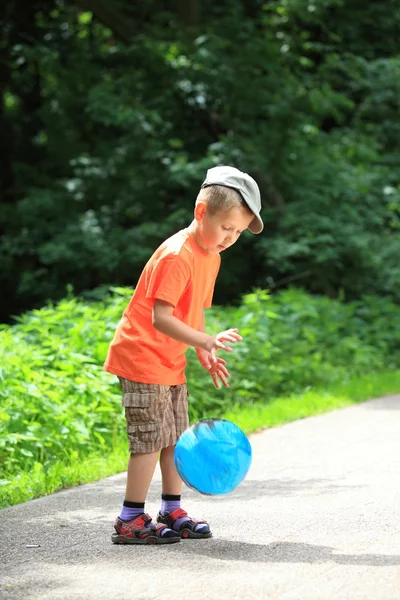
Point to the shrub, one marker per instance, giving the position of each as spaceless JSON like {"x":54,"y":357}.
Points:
{"x":58,"y":404}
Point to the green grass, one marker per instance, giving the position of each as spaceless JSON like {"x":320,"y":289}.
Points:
{"x":314,"y":402}
{"x":40,"y":481}
{"x":254,"y":417}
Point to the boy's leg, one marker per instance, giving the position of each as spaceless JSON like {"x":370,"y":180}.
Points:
{"x":177,"y":417}
{"x":171,"y":513}
{"x":171,"y":481}
{"x":134,"y":525}
{"x":141,"y":469}
{"x":139,"y":475}
{"x":144,"y":408}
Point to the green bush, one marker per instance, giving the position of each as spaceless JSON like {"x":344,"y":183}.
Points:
{"x":294,"y":341}
{"x":57,"y":404}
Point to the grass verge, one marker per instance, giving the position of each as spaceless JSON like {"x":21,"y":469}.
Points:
{"x":41,"y":481}
{"x":314,"y":402}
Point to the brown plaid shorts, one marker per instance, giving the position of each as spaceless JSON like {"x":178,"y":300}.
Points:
{"x":156,"y":415}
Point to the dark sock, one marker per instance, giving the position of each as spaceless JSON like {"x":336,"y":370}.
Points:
{"x":131,"y":510}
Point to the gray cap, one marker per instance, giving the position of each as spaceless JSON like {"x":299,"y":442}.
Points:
{"x":242,"y":183}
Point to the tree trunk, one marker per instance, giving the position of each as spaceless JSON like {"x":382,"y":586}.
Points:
{"x":6,"y":134}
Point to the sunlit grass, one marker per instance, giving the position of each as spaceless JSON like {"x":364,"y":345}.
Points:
{"x":313,"y":402}
{"x":40,"y":481}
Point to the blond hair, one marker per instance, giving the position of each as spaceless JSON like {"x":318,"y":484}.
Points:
{"x":220,"y":198}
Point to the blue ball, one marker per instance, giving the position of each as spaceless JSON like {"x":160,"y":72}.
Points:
{"x":213,"y":456}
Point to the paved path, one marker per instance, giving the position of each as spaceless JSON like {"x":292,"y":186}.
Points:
{"x":318,"y":518}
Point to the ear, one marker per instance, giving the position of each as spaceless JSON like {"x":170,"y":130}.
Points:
{"x":199,"y":211}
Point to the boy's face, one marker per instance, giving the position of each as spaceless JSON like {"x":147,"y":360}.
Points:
{"x":216,"y":233}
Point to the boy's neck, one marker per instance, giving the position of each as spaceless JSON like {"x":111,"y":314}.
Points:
{"x":195,"y":235}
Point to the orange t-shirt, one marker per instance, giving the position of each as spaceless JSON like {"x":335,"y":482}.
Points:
{"x":183,"y":274}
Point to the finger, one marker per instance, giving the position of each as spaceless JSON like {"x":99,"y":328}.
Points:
{"x":235,"y":336}
{"x":227,"y":349}
{"x":233,"y":332}
{"x":215,"y":380}
{"x":224,"y":371}
{"x":221,"y":361}
{"x":221,"y":346}
{"x":229,"y":337}
{"x":221,"y":368}
{"x":213,"y":357}
{"x":222,"y":378}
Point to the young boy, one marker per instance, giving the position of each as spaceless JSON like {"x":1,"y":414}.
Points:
{"x":164,"y":317}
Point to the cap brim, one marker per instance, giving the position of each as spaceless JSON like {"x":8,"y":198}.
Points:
{"x":256,"y":226}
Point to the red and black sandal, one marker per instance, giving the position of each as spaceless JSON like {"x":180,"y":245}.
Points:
{"x":192,"y":528}
{"x":142,"y":531}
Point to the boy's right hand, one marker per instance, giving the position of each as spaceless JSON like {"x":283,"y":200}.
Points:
{"x":218,"y":342}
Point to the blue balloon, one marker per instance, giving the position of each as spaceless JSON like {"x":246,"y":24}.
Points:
{"x":213,"y":456}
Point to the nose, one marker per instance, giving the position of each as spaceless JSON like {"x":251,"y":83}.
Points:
{"x":230,"y":239}
{"x":227,"y":242}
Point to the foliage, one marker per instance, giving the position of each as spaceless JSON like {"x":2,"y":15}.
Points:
{"x":294,"y":341}
{"x":58,"y":405}
{"x":110,"y":121}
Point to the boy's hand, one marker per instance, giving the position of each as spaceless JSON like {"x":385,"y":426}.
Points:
{"x":217,"y":342}
{"x":216,"y":369}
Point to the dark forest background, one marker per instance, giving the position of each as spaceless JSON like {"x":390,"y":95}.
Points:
{"x":111,"y":112}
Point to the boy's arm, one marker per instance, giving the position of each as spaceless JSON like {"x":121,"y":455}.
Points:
{"x":203,"y":322}
{"x":165,"y":321}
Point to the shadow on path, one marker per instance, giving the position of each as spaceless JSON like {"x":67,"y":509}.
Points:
{"x":288,"y":552}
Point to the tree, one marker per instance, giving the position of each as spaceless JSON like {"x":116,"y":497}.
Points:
{"x":111,"y":113}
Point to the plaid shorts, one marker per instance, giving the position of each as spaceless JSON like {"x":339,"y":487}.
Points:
{"x":156,"y":415}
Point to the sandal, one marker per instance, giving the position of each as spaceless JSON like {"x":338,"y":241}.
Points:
{"x":189,"y":528}
{"x":142,"y":531}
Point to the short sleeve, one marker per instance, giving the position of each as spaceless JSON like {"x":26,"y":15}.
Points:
{"x":168,"y":280}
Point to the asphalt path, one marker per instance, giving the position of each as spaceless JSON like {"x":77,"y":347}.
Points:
{"x":317,"y":518}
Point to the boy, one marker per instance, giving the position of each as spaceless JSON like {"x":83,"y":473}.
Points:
{"x":164,"y":317}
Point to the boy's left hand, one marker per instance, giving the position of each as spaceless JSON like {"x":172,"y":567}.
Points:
{"x":216,"y":369}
